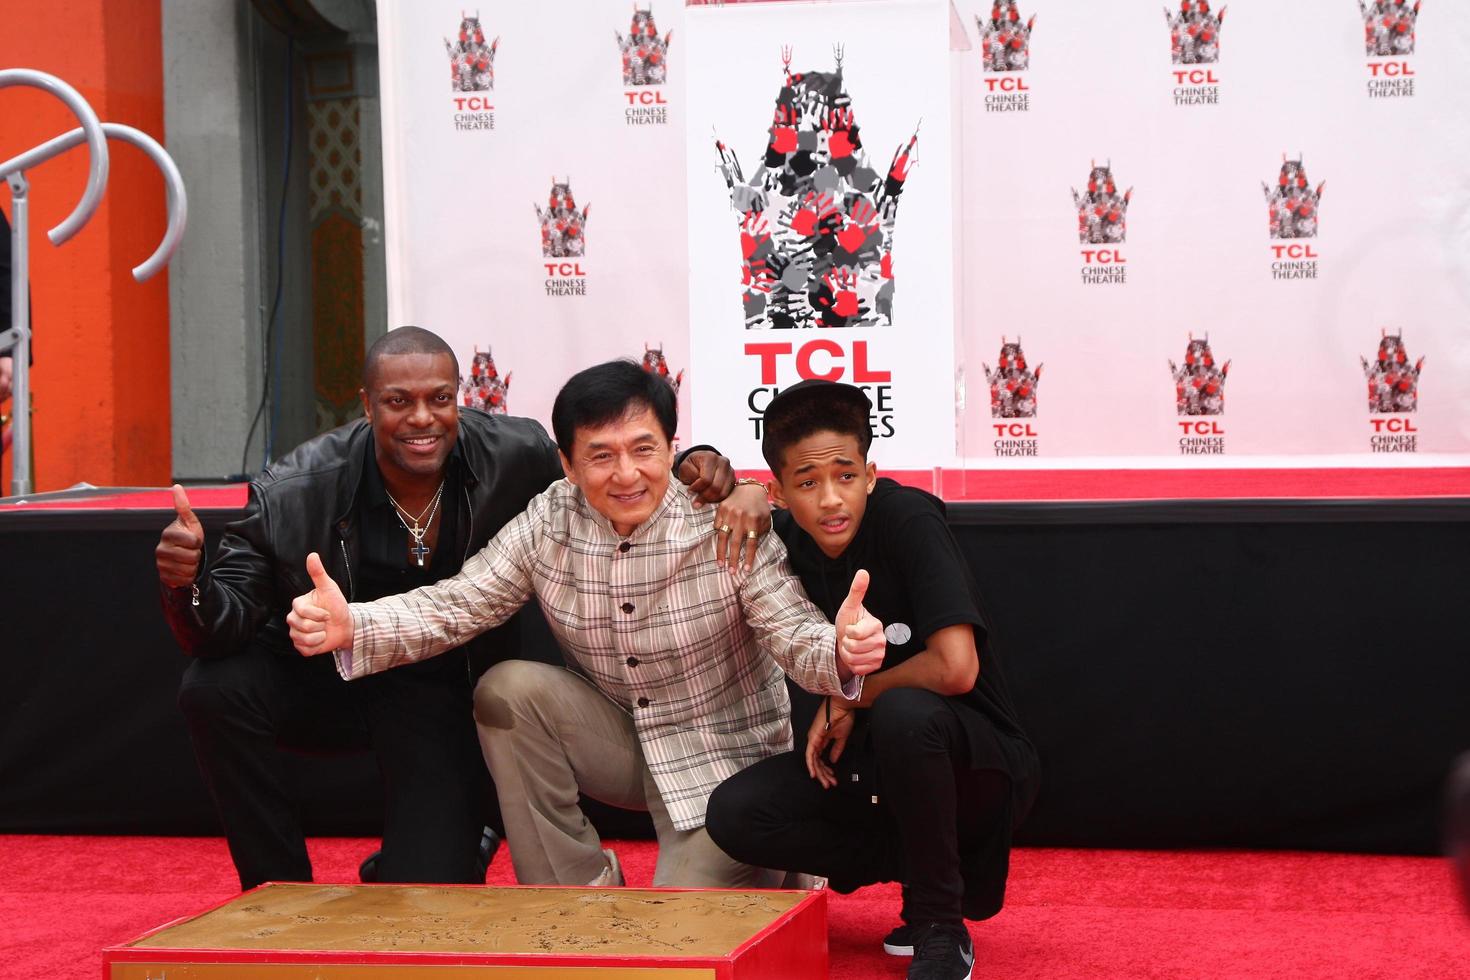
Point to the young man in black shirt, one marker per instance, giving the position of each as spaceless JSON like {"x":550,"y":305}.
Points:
{"x":924,"y":781}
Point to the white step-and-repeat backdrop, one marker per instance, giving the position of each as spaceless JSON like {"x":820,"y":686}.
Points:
{"x":1044,"y":233}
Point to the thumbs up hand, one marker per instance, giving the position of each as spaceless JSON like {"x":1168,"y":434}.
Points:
{"x":860,"y":640}
{"x":181,"y":546}
{"x":320,"y":621}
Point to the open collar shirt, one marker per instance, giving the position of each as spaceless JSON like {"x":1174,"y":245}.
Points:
{"x":693,"y":652}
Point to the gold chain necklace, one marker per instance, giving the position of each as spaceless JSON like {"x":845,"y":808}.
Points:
{"x":419,"y":550}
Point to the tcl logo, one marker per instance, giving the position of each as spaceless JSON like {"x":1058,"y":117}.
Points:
{"x":1006,"y":85}
{"x":1196,"y":77}
{"x":1391,"y":69}
{"x":1294,"y":251}
{"x":1393,"y":425}
{"x":822,"y":359}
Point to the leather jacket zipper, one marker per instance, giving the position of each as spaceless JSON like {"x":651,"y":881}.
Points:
{"x":469,"y":541}
{"x":347,"y":564}
{"x":469,"y":538}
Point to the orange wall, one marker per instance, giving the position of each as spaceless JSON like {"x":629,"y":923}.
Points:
{"x":101,"y":376}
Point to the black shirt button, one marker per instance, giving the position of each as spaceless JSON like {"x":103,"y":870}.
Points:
{"x":627,"y":607}
{"x":642,"y":702}
{"x":632,"y":661}
{"x":625,"y":546}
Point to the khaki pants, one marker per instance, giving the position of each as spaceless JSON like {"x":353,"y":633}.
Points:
{"x":547,"y":734}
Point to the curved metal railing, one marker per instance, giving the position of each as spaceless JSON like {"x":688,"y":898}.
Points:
{"x":94,"y":134}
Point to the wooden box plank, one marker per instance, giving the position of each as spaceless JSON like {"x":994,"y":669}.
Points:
{"x":339,"y":932}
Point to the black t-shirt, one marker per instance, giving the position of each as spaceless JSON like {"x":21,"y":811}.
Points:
{"x":919,"y":584}
{"x":386,"y":567}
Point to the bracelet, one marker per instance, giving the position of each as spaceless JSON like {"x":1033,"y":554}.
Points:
{"x":746,"y":481}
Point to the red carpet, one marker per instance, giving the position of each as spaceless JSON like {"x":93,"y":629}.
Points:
{"x":1069,"y":914}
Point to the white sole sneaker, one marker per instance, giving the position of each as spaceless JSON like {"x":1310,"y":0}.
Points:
{"x":610,"y":876}
{"x":900,"y":942}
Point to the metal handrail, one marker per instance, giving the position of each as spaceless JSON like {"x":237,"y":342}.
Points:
{"x":173,"y":182}
{"x":96,"y":143}
{"x":94,"y":134}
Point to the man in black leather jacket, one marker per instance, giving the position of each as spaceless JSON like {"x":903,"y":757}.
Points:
{"x":393,"y":501}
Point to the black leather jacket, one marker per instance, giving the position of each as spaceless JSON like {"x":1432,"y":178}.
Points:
{"x":306,"y":501}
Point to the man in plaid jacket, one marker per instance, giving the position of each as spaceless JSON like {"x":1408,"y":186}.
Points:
{"x":676,"y":679}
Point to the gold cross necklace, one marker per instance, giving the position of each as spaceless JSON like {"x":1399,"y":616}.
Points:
{"x":419,"y":550}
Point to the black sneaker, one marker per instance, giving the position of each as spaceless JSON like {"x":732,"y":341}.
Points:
{"x":367,"y":872}
{"x":900,"y":942}
{"x":942,"y":952}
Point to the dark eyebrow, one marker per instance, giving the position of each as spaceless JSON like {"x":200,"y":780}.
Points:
{"x":400,"y":390}
{"x":636,"y":440}
{"x":839,"y":461}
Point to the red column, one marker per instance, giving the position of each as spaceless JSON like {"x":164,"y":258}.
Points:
{"x":101,"y":379}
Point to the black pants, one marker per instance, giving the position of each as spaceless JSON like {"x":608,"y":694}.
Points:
{"x":243,"y":710}
{"x":932,"y":808}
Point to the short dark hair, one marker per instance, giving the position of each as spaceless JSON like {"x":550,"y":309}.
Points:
{"x":404,"y":340}
{"x":605,"y":393}
{"x":809,"y":407}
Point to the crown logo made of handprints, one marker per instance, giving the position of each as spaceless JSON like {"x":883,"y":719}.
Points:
{"x":1005,"y":41}
{"x":654,"y":362}
{"x":1013,"y":383}
{"x":1194,"y":32}
{"x":1393,"y":386}
{"x":816,"y":217}
{"x":1389,"y":27}
{"x":1199,"y":383}
{"x":486,"y":388}
{"x":645,"y":54}
{"x":1293,"y":202}
{"x":563,"y":227}
{"x":1102,"y":213}
{"x":471,"y":60}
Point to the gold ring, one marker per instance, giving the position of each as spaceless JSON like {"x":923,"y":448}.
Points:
{"x":751,"y":534}
{"x":724,"y":529}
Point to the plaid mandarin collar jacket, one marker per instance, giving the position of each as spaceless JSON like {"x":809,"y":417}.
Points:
{"x":692,"y":651}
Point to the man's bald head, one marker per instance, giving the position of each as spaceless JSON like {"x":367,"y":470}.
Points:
{"x":404,"y":340}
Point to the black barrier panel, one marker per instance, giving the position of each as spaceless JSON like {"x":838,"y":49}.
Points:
{"x":1247,"y":682}
{"x":92,"y":740}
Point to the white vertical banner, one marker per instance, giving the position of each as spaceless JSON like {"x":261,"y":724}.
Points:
{"x":534,"y":188}
{"x":821,"y":216}
{"x":1216,"y":234}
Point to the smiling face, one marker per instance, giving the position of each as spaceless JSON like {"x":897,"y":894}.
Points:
{"x":622,"y":467}
{"x":825,"y":481}
{"x":410,"y":403}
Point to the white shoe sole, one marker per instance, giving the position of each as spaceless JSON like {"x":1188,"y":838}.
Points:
{"x":893,"y":950}
{"x":611,"y":876}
